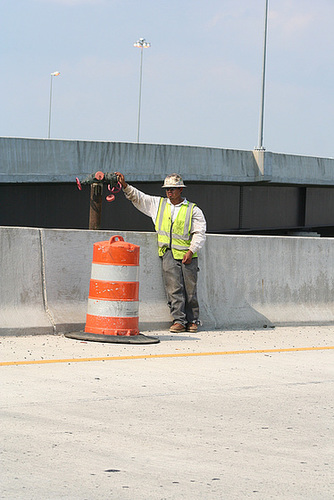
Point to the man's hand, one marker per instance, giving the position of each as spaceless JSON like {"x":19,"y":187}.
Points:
{"x":121,"y":179}
{"x":187,"y":258}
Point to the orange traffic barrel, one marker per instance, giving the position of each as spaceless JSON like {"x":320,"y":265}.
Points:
{"x":113,"y":300}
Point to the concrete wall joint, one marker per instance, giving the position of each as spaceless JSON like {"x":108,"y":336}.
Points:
{"x":43,"y":276}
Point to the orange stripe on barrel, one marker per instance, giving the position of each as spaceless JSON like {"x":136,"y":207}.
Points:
{"x":114,"y":290}
{"x":114,"y":252}
{"x":104,"y":325}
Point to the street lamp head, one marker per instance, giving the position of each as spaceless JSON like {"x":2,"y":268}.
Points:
{"x":142,"y":44}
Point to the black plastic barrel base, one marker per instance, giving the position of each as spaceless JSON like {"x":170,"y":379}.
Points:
{"x":114,"y":339}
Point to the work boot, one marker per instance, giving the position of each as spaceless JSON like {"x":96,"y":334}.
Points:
{"x":192,"y":327}
{"x":177,"y":328}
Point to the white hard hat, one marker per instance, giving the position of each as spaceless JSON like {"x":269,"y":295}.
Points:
{"x":173,"y":181}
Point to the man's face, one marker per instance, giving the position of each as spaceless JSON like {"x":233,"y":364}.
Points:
{"x":174,"y":195}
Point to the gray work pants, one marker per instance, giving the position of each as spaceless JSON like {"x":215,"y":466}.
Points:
{"x":181,"y":287}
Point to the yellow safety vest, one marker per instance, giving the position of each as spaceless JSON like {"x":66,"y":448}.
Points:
{"x":176,"y":236}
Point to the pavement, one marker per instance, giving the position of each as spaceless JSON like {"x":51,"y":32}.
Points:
{"x":211,"y":415}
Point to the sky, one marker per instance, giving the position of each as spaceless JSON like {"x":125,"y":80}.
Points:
{"x":202,"y":75}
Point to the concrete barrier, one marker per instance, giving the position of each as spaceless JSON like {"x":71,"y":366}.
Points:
{"x":268,"y":280}
{"x":22,"y":304}
{"x":244,"y":281}
{"x":68,"y":254}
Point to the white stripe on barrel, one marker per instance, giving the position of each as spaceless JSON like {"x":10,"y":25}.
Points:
{"x":106,"y":272}
{"x":124,"y":308}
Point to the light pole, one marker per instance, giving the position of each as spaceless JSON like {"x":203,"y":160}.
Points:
{"x":260,"y":142}
{"x":142,"y":44}
{"x":55,"y":73}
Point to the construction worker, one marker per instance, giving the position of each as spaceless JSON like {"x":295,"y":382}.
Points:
{"x":181,"y":228}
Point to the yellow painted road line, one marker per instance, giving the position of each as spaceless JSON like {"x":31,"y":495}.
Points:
{"x":155,"y":356}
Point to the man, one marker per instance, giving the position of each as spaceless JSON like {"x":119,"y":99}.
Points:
{"x":181,"y":230}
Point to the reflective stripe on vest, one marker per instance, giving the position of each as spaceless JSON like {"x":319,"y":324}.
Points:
{"x":179,"y":239}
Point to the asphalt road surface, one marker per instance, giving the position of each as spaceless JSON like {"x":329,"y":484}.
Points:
{"x":212,"y":415}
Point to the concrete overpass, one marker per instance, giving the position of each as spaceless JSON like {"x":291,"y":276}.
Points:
{"x":241,"y":192}
{"x":52,"y":160}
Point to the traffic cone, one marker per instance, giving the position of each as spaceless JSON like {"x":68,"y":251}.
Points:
{"x":113,"y":300}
